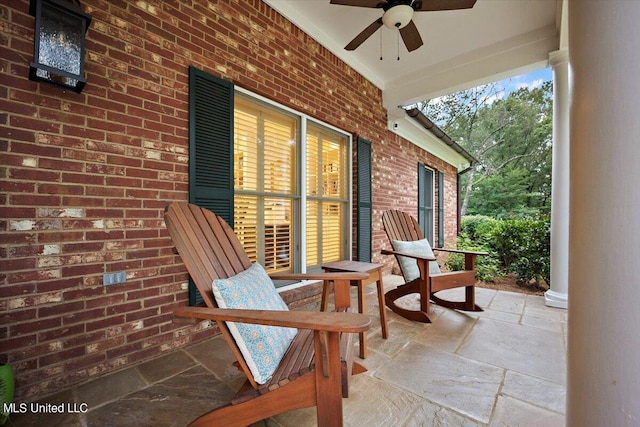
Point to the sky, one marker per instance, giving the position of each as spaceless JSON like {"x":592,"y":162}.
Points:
{"x":531,"y":80}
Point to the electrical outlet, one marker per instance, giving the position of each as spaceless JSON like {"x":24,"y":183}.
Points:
{"x":114,"y":278}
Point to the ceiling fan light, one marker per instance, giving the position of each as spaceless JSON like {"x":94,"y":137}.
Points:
{"x":398,"y":16}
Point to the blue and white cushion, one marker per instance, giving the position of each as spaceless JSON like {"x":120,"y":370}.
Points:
{"x":262,"y":346}
{"x":409,"y":266}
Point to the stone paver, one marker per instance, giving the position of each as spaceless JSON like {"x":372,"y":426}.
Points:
{"x":514,"y":413}
{"x":521,"y":348}
{"x":451,"y":381}
{"x":505,"y":366}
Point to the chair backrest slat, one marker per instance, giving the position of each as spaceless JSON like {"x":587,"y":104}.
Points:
{"x":190,"y":243}
{"x":210,"y":250}
{"x":401,"y":226}
{"x":220,"y":250}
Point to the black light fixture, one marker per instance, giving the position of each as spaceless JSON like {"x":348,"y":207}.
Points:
{"x":58,"y":45}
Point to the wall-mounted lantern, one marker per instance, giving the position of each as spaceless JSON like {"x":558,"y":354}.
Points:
{"x":58,"y":46}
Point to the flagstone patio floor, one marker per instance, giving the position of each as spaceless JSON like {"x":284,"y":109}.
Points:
{"x":505,"y":366}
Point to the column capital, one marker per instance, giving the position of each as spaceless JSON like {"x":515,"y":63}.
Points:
{"x":558,"y":57}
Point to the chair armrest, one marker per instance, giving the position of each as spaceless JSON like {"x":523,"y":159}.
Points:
{"x":347,"y":275}
{"x":414,"y":256}
{"x":460,"y":251}
{"x":318,"y":321}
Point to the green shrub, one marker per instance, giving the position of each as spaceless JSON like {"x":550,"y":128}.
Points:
{"x":521,"y":246}
{"x":478,"y":228}
{"x":486,"y":265}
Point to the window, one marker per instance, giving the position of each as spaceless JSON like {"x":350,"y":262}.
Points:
{"x":426,"y":201}
{"x":326,"y":196}
{"x":265,"y":159}
{"x":271,"y":193}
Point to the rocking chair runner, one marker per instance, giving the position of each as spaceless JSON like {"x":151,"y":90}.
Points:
{"x":210,"y":250}
{"x":404,"y":232}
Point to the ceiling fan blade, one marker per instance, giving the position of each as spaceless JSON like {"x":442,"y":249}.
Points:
{"x":411,"y":36}
{"x":364,"y":35}
{"x":435,"y":5}
{"x":359,"y":3}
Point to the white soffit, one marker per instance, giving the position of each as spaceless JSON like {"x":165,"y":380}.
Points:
{"x":415,"y":133}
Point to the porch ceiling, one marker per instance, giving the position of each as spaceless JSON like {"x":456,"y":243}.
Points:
{"x":495,"y":39}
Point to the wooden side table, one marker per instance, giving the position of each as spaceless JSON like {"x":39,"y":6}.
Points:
{"x":375,"y":276}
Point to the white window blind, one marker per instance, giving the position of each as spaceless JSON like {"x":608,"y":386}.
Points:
{"x":326,"y":196}
{"x":265,"y":183}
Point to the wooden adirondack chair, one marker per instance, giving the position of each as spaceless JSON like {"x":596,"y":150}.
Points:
{"x":402,"y":227}
{"x":314,"y":370}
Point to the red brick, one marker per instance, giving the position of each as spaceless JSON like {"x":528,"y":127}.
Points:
{"x":17,"y":264}
{"x":35,"y":150}
{"x":35,"y":124}
{"x":124,"y":308}
{"x":94,"y":338}
{"x":61,"y":165}
{"x":59,"y":333}
{"x":61,"y":356}
{"x":80,"y":363}
{"x":61,"y":236}
{"x":82,"y":270}
{"x":105,"y":323}
{"x":134,"y":347}
{"x":35,"y":326}
{"x":20,"y":289}
{"x":82,"y":316}
{"x":60,"y":189}
{"x":35,"y":175}
{"x":20,"y":342}
{"x":17,"y":187}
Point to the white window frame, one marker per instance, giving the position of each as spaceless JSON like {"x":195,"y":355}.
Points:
{"x":302,"y":167}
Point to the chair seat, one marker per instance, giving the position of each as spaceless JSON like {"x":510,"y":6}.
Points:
{"x":297,"y":361}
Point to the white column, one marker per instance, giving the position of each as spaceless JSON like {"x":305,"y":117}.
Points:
{"x":603,"y":385}
{"x":557,"y":295}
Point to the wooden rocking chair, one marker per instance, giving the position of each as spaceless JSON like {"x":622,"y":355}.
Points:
{"x":409,"y":244}
{"x":315,"y":368}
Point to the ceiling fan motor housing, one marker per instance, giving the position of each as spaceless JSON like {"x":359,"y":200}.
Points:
{"x":398,"y":16}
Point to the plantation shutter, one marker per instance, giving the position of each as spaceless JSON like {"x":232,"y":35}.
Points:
{"x":440,"y":209}
{"x":210,"y":148}
{"x":364,"y":200}
{"x":326,"y":158}
{"x":425,"y":201}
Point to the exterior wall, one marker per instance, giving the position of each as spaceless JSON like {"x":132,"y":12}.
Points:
{"x":85,"y":177}
{"x":395,"y":186}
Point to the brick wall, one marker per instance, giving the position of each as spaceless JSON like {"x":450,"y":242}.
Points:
{"x":85,"y":177}
{"x":395,"y":186}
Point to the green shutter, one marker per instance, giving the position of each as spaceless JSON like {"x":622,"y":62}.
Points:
{"x":421,"y":197}
{"x":425,"y":201}
{"x":364,"y":200}
{"x":210,"y":148}
{"x":440,"y":209}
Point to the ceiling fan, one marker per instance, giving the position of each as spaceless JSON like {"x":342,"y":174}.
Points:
{"x":398,"y":14}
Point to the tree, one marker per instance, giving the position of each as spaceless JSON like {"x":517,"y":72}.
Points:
{"x":511,"y":139}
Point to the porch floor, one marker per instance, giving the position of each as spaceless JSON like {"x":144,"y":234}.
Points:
{"x":505,"y":366}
